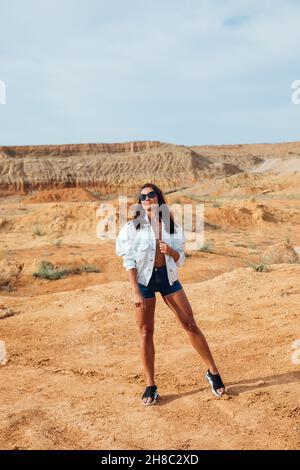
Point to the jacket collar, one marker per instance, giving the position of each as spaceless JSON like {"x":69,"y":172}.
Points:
{"x":147,"y":222}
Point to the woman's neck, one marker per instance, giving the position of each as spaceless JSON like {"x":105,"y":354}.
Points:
{"x":154,"y":218}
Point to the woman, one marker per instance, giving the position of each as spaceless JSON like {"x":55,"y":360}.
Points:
{"x":152,"y":246}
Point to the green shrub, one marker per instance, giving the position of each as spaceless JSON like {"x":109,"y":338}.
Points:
{"x":207,"y":246}
{"x":48,"y":271}
{"x":260,"y":267}
{"x":90,"y":268}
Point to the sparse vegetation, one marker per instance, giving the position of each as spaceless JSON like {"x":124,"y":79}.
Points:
{"x":48,"y":271}
{"x":8,"y":288}
{"x":207,"y":246}
{"x":212,"y":226}
{"x":260,"y":267}
{"x":88,"y":268}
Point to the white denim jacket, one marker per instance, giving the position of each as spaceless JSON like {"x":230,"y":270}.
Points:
{"x":138,"y":249}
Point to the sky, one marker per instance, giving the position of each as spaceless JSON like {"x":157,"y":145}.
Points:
{"x":193,"y":73}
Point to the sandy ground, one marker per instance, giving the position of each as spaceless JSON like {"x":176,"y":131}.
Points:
{"x":74,"y":377}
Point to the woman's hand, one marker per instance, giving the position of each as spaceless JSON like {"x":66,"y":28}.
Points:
{"x":138,"y":299}
{"x":165,"y":248}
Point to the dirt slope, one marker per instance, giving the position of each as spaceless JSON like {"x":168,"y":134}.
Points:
{"x":74,"y":376}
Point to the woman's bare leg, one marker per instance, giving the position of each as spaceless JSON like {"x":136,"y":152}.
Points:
{"x":145,"y":320}
{"x":179,"y":304}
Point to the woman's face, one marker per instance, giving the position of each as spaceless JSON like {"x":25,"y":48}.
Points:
{"x":149,"y":201}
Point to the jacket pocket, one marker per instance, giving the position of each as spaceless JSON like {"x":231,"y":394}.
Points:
{"x":141,"y":251}
{"x":141,"y":247}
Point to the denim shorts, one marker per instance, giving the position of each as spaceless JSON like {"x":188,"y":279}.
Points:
{"x":159,"y":282}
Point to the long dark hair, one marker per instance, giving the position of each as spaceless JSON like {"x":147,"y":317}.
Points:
{"x":165,"y":214}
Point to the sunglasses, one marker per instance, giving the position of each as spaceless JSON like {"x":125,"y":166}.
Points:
{"x":150,"y":195}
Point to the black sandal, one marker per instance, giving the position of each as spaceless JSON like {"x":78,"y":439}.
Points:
{"x":215,"y":382}
{"x":150,"y":391}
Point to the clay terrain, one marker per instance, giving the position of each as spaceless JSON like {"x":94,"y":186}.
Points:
{"x":71,"y":375}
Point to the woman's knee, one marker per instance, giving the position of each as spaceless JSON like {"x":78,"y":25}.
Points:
{"x":191,"y":326}
{"x":146,"y":332}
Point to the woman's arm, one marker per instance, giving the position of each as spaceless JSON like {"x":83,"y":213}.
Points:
{"x":132,"y":274}
{"x":179,"y":244}
{"x":177,"y":252}
{"x":138,"y":298}
{"x":124,"y":248}
{"x":168,"y":250}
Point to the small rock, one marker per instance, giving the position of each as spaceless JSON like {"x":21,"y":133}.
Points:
{"x":6,"y":312}
{"x":260,"y":382}
{"x":3,"y":222}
